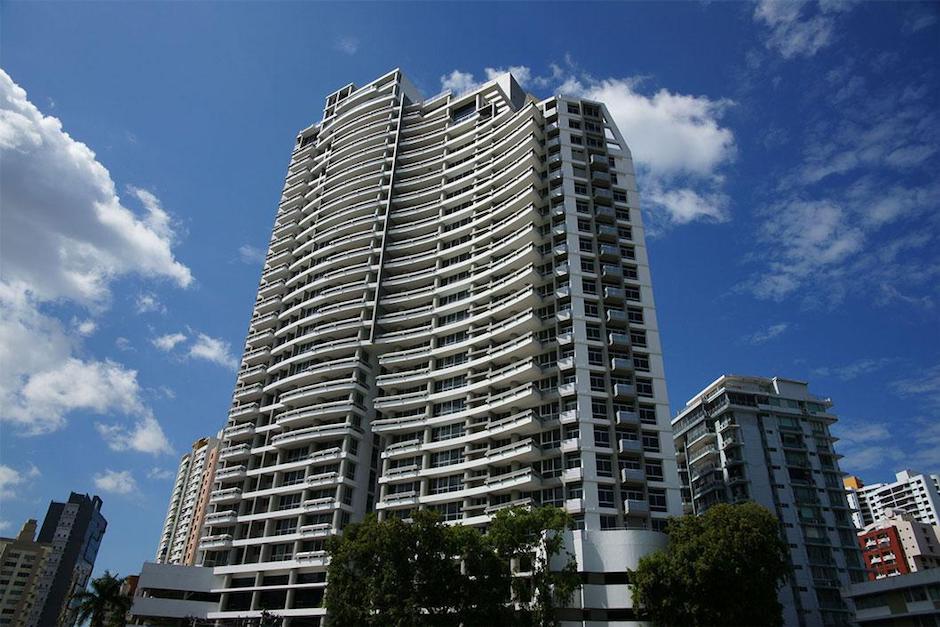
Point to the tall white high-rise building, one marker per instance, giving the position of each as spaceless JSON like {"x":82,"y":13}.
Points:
{"x":768,"y":440}
{"x":189,"y":500}
{"x":455,"y":313}
{"x":911,"y":492}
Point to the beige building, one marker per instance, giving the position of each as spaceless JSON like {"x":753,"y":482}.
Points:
{"x":189,"y":500}
{"x":21,"y":563}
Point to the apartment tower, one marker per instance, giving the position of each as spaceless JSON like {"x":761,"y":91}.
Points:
{"x":911,"y":492}
{"x":768,"y":440}
{"x":455,"y":313}
{"x":74,"y":531}
{"x":189,"y":500}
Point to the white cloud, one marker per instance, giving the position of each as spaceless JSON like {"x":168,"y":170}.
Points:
{"x":160,"y":474}
{"x":677,"y":140}
{"x":459,"y":82}
{"x":798,"y":28}
{"x":212,"y":349}
{"x":873,"y":445}
{"x":924,"y":385}
{"x":12,"y":480}
{"x":806,"y":238}
{"x":65,"y":232}
{"x":123,"y":344}
{"x":169,"y":341}
{"x":5,"y":524}
{"x":855,"y":369}
{"x":347,"y":45}
{"x":146,"y":436}
{"x":250,"y":254}
{"x":115,"y":482}
{"x":84,"y":327}
{"x":66,"y":237}
{"x":765,"y":335}
{"x":147,"y":302}
{"x":858,"y":214}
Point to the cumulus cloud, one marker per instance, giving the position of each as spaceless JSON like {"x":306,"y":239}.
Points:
{"x":796,"y":28}
{"x":146,"y":436}
{"x":169,"y":341}
{"x":214,"y":350}
{"x":765,"y":335}
{"x":12,"y":481}
{"x":66,"y":236}
{"x":65,"y":231}
{"x":459,"y":82}
{"x":677,"y":141}
{"x":115,"y":482}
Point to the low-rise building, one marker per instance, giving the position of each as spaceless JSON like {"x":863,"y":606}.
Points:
{"x":171,"y":594}
{"x":911,"y":600}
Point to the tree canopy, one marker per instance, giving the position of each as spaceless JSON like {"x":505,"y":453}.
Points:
{"x":721,"y":568}
{"x":400,"y":573}
{"x":103,"y":605}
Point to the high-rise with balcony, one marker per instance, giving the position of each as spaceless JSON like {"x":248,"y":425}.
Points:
{"x":768,"y":440}
{"x":182,"y":527}
{"x":911,"y":492}
{"x":74,"y":531}
{"x":455,"y":313}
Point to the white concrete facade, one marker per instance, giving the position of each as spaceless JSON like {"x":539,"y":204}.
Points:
{"x":605,"y":559}
{"x":167,"y":593}
{"x":768,"y":440}
{"x":455,"y":313}
{"x":911,"y":492}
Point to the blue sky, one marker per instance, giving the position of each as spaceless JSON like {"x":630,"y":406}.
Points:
{"x":787,"y":155}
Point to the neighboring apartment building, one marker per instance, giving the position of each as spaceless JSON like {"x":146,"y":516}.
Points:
{"x":22,"y":560}
{"x":911,"y":600}
{"x":898,"y":544}
{"x":768,"y":440}
{"x":182,"y":528}
{"x":914,"y":493}
{"x":74,"y":530}
{"x":455,"y":313}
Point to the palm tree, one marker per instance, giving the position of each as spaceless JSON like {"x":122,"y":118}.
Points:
{"x":103,"y":605}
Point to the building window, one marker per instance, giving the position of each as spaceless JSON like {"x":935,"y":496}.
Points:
{"x":650,"y":442}
{"x":644,"y":387}
{"x":657,"y":499}
{"x":605,"y":496}
{"x":593,"y":332}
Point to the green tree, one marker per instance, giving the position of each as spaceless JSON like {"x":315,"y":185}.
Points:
{"x":530,"y":540}
{"x":103,"y":605}
{"x":428,"y":573}
{"x":721,"y":568}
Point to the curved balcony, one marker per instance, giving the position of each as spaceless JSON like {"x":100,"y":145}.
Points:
{"x":219,"y":541}
{"x":312,"y":434}
{"x":321,"y":411}
{"x":236,"y":433}
{"x":234,"y":453}
{"x":303,"y":395}
{"x":221,"y":518}
{"x":244,"y":412}
{"x":225,"y":495}
{"x":231,"y":473}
